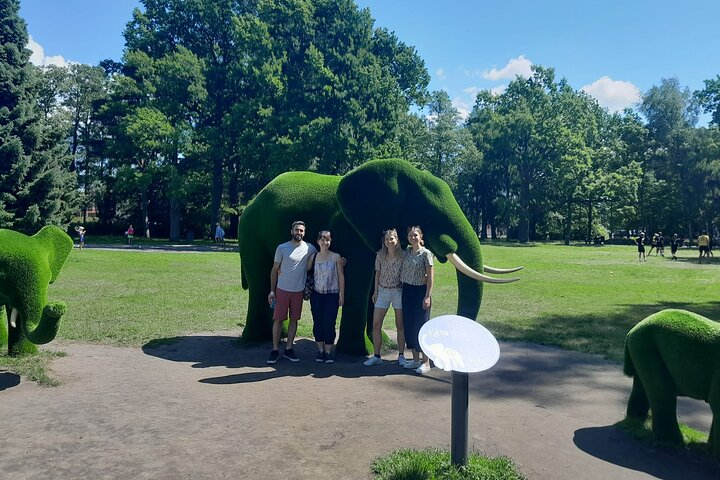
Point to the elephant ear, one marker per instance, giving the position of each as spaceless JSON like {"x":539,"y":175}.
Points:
{"x":57,"y":245}
{"x":372,"y":200}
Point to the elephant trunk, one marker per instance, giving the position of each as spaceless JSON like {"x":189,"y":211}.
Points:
{"x":47,"y":327}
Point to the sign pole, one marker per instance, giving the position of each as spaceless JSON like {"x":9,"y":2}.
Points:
{"x":459,"y":418}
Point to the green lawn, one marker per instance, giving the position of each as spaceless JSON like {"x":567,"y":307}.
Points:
{"x":579,"y":298}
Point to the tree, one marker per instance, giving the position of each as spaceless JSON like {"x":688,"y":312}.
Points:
{"x":709,"y":99}
{"x":36,"y":187}
{"x":292,"y":84}
{"x":671,"y":114}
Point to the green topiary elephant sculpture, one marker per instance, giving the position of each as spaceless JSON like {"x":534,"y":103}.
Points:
{"x":357,"y":207}
{"x":672,"y":353}
{"x":27,"y":266}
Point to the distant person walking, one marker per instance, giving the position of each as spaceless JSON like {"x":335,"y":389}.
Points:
{"x":674,"y":244}
{"x":660,"y":245}
{"x":81,"y":236}
{"x":130,"y":234}
{"x":219,"y":234}
{"x":703,"y":242}
{"x":653,"y":244}
{"x":640,"y":241}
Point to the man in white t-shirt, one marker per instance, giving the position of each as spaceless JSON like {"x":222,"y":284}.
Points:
{"x":287,"y":283}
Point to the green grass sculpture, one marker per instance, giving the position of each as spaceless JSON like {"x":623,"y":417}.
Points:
{"x":27,"y":266}
{"x":356,"y":208}
{"x":672,"y":353}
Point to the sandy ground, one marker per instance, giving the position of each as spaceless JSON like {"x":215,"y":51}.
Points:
{"x":205,"y":408}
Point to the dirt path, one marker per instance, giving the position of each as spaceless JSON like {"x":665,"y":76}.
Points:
{"x":205,"y":408}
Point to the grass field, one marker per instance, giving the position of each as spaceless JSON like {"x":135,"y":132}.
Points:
{"x":579,"y":298}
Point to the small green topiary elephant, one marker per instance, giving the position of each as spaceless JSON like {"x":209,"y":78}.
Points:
{"x":669,"y":354}
{"x":27,"y":266}
{"x":357,"y":207}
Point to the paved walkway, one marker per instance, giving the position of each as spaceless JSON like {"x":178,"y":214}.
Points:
{"x":205,"y":408}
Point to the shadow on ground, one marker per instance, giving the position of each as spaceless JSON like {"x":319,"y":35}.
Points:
{"x":8,"y":380}
{"x":612,"y":445}
{"x":580,"y":332}
{"x":224,"y":351}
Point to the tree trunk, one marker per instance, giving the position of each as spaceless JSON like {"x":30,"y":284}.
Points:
{"x":589,"y":225}
{"x":217,"y":188}
{"x":524,"y":220}
{"x":174,"y":219}
{"x":146,"y":218}
{"x":568,"y":222}
{"x":234,"y":199}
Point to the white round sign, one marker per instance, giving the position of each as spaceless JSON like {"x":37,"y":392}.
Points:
{"x":458,"y":344}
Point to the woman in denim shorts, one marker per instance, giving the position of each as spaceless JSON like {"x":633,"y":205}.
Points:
{"x":388,"y":291}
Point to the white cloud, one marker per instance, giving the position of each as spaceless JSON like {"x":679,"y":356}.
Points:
{"x":615,"y":95}
{"x":499,"y":90}
{"x":440,"y":73}
{"x":462,"y":107}
{"x":38,"y":56}
{"x":515,"y":66}
{"x":472,"y":91}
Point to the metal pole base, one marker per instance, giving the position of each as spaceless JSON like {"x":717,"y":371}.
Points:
{"x":459,"y":419}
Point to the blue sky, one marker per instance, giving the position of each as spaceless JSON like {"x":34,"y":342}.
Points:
{"x":613,"y":49}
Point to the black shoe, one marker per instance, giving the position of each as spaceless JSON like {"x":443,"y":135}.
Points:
{"x":320,"y":358}
{"x":290,"y":355}
{"x":273,"y":358}
{"x":329,"y":357}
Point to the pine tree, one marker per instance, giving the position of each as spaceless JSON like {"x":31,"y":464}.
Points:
{"x":36,"y":187}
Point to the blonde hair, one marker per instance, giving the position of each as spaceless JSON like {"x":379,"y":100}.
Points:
{"x":419,"y":230}
{"x":384,"y":252}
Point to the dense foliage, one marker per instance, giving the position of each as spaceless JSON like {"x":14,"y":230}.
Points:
{"x":213,"y":99}
{"x":36,"y":185}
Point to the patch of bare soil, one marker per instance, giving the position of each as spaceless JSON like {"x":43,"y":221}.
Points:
{"x":205,"y":407}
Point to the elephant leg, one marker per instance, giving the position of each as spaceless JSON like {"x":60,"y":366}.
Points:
{"x":663,"y":404}
{"x":714,"y":437}
{"x":638,"y":405}
{"x":4,"y":318}
{"x":258,"y":324}
{"x":18,"y":344}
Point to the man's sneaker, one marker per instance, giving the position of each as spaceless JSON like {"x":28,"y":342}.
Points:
{"x":372,"y":361}
{"x":273,"y":358}
{"x":290,"y":355}
{"x":401,"y":360}
{"x":411,"y":364}
{"x":320,"y":358}
{"x":329,"y":358}
{"x":423,"y":369}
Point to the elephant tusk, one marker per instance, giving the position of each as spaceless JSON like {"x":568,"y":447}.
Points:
{"x":13,"y":317}
{"x":500,"y":270}
{"x":463,"y":268}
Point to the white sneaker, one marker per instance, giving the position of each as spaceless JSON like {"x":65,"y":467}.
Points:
{"x":372,"y":361}
{"x":411,"y":364}
{"x":423,"y":369}
{"x":401,"y":360}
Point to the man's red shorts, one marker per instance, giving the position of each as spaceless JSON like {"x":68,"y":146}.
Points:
{"x":285,"y":301}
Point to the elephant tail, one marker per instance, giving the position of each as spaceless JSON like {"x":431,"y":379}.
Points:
{"x":628,"y":365}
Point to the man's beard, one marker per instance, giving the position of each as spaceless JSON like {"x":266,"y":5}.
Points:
{"x":298,"y":237}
